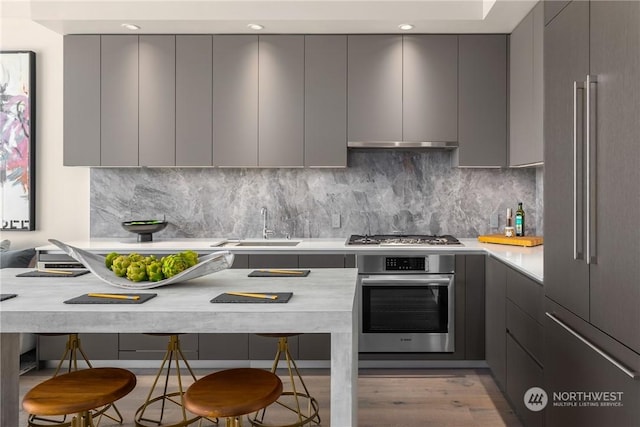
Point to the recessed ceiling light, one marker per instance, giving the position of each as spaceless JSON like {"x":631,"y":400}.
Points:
{"x":132,"y":27}
{"x":256,"y":27}
{"x":405,"y":27}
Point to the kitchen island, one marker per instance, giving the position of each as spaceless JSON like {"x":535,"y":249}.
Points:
{"x":323,"y":302}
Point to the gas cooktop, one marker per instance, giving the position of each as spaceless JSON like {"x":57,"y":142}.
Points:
{"x":402,"y":240}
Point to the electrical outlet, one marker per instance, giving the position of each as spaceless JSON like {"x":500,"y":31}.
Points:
{"x":494,"y":221}
{"x":335,"y":220}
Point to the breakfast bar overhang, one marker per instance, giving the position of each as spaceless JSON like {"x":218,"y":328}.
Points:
{"x":323,"y":302}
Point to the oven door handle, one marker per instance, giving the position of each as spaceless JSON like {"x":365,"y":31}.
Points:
{"x":431,"y":282}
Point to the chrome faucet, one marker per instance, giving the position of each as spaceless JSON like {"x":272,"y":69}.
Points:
{"x":265,"y":231}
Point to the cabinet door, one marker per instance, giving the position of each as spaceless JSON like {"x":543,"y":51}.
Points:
{"x":194,"y":146}
{"x":321,"y":261}
{"x":223,"y":346}
{"x":482,"y":113}
{"x":265,"y":347}
{"x":154,"y":347}
{"x":374,"y":88}
{"x":119,"y":100}
{"x":571,"y":365}
{"x":82,"y":100}
{"x":95,"y":346}
{"x":281,"y":101}
{"x":495,"y":319}
{"x":235,"y":100}
{"x":474,"y":331}
{"x":273,"y":261}
{"x":522,"y":374}
{"x":314,"y":347}
{"x":430,"y":88}
{"x":157,"y":100}
{"x":325,"y":101}
{"x":566,"y":38}
{"x":615,"y":47}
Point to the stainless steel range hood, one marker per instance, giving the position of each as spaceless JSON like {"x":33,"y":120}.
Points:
{"x":442,"y":145}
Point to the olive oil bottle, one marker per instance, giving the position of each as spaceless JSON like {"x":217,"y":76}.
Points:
{"x":520,"y":220}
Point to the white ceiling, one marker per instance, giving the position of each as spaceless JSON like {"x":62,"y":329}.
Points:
{"x":277,"y":16}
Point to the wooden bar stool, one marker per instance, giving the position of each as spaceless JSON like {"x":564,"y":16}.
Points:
{"x":232,"y":393}
{"x":73,"y":349}
{"x":78,"y":393}
{"x":173,"y":353}
{"x":308,"y":415}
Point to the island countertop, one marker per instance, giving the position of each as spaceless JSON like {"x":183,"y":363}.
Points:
{"x":323,"y":302}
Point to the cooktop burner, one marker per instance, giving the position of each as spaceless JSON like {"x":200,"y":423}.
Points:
{"x":402,"y":239}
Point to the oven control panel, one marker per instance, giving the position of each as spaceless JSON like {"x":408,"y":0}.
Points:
{"x":406,"y":264}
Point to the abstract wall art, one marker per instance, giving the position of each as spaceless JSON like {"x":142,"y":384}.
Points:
{"x":17,"y":144}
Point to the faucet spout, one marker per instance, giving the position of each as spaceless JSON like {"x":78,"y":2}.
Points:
{"x":265,"y":230}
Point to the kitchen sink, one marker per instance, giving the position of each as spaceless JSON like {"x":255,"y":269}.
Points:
{"x":260,"y":243}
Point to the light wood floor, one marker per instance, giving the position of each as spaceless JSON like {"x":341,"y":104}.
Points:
{"x":386,"y":398}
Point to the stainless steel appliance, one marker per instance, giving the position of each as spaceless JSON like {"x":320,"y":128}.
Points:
{"x":402,"y":240}
{"x":406,"y":303}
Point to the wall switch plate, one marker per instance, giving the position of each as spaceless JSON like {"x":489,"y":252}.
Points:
{"x":335,"y":220}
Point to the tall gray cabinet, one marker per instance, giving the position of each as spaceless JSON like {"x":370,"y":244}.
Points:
{"x":592,"y":105}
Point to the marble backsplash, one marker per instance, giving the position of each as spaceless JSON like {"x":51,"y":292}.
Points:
{"x":380,"y":192}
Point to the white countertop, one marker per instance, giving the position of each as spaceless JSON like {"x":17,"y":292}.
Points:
{"x":527,"y":260}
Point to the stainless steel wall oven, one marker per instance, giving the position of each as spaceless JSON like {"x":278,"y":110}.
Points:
{"x":406,"y":303}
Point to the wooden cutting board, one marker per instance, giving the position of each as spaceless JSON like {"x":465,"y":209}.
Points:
{"x":515,"y":241}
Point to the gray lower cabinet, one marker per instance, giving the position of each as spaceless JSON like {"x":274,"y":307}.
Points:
{"x":374,"y":89}
{"x":281,"y":101}
{"x":235,"y":100}
{"x":581,"y":358}
{"x":81,"y":101}
{"x":482,"y":98}
{"x":325,"y":101}
{"x":154,"y":347}
{"x":474,"y":333}
{"x":223,"y":346}
{"x":526,"y":90}
{"x":514,"y":335}
{"x":157,"y":100}
{"x":119,"y":100}
{"x":496,"y":320}
{"x":95,"y":346}
{"x":194,"y":105}
{"x":265,"y":347}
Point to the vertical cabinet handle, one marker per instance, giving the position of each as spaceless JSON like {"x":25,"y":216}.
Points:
{"x":577,"y":229}
{"x":591,"y":142}
{"x":610,"y":359}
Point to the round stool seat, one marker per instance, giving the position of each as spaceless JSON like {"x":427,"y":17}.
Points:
{"x":79,"y":391}
{"x":233,"y":392}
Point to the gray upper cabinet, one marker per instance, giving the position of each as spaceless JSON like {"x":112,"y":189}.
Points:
{"x":526,"y":91}
{"x":157,"y":100}
{"x":482,"y":110}
{"x":374,"y":88}
{"x":552,"y":8}
{"x":82,"y":100}
{"x":325,"y":101}
{"x":430,"y":88}
{"x":194,"y":143}
{"x":235,"y":100}
{"x":119,"y":100}
{"x":281,"y":101}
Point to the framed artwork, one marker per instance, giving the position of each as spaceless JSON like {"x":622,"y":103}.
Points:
{"x":18,"y":140}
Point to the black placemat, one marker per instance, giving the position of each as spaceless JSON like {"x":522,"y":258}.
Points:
{"x":86,"y":299}
{"x":36,"y":273}
{"x":276,"y":273}
{"x":7,"y":296}
{"x":226,"y":298}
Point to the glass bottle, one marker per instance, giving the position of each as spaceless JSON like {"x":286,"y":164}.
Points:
{"x":520,"y":220}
